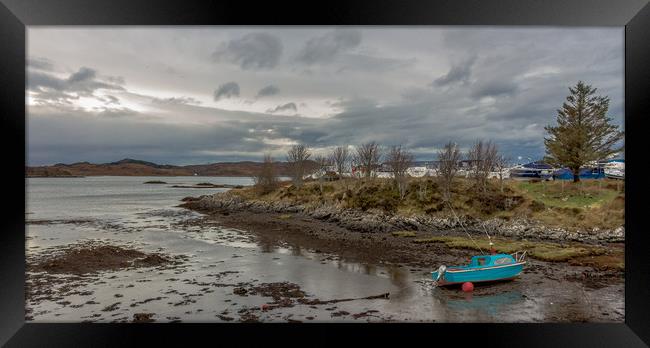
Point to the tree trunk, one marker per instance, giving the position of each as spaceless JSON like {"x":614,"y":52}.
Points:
{"x":576,"y":175}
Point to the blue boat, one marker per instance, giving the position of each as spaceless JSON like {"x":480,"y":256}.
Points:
{"x":482,"y":268}
{"x":585,"y":173}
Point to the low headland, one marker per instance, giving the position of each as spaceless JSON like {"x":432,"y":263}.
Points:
{"x":577,"y":224}
{"x":134,"y":167}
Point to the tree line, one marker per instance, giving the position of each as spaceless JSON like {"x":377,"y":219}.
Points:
{"x":584,"y":133}
{"x":368,"y":158}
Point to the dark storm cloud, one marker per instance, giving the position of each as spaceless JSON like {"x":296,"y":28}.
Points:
{"x":58,"y":140}
{"x":39,"y":63}
{"x":458,"y":73}
{"x":83,"y":81}
{"x":64,"y":134}
{"x":283,"y":107}
{"x":495,"y":84}
{"x":252,"y":51}
{"x":48,"y":88}
{"x":84,"y":74}
{"x":227,"y":90}
{"x":36,"y":80}
{"x":425,"y":125}
{"x":325,"y":48}
{"x":268,"y":91}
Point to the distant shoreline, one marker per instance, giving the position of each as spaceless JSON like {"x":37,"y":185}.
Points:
{"x":137,"y":175}
{"x":55,"y":176}
{"x":132,"y":167}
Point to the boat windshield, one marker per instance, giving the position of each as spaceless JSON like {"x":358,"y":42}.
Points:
{"x":482,"y":261}
{"x":503,"y":261}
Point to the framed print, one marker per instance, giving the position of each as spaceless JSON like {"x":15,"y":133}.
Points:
{"x":435,"y":170}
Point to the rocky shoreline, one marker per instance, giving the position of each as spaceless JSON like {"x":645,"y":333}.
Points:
{"x":371,"y":221}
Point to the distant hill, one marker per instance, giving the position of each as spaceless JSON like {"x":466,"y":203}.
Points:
{"x":132,"y":167}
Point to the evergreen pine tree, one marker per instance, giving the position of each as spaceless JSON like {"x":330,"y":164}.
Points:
{"x":584,"y":132}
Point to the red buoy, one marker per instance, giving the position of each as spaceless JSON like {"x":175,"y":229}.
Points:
{"x":468,"y":287}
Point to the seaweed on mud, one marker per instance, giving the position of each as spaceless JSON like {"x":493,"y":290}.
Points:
{"x":143,"y":318}
{"x":278,"y":291}
{"x":93,"y":257}
{"x":56,"y":273}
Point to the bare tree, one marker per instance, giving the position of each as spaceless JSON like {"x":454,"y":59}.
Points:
{"x":448,"y":158}
{"x":482,"y":157}
{"x":489,"y":163}
{"x":340,"y":157}
{"x":368,"y":156}
{"x":475,"y":157}
{"x":399,"y":161}
{"x":500,"y":164}
{"x":322,"y":163}
{"x":266,"y":179}
{"x":298,"y":157}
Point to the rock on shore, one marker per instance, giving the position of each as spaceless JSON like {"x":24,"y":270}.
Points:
{"x":375,"y":221}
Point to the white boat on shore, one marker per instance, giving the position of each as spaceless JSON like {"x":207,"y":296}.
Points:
{"x":417,"y":172}
{"x":615,"y":169}
{"x":533,"y":170}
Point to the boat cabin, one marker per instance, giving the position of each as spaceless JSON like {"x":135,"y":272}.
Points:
{"x":491,"y":260}
{"x":486,"y":261}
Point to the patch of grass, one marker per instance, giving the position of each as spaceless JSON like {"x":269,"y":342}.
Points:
{"x":407,"y":234}
{"x":563,"y":194}
{"x":544,"y":251}
{"x":284,"y":216}
{"x":582,"y":206}
{"x":379,"y":196}
{"x":615,"y":261}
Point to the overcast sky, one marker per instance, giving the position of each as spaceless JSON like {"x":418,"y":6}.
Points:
{"x":189,"y":95}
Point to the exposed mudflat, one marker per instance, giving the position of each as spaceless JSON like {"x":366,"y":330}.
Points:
{"x":114,"y":250}
{"x":589,"y":279}
{"x":385,"y":248}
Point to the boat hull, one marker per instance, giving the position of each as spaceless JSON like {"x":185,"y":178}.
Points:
{"x":478,"y":275}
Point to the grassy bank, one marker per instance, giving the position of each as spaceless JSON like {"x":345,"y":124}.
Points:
{"x":540,"y":250}
{"x":584,"y":205}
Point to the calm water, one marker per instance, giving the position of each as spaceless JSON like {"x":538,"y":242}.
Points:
{"x":123,"y":210}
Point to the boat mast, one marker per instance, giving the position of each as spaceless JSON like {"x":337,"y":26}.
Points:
{"x":461,"y":225}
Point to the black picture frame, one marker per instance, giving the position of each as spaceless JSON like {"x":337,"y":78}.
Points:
{"x":15,"y":15}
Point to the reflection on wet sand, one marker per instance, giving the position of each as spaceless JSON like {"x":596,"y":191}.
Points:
{"x":482,"y":307}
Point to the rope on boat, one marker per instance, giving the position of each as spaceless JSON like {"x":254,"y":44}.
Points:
{"x":486,"y":233}
{"x":461,"y":225}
